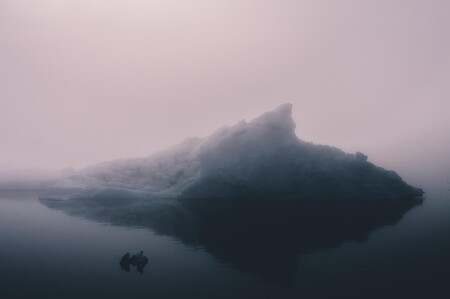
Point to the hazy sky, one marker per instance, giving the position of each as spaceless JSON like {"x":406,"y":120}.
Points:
{"x":82,"y":81}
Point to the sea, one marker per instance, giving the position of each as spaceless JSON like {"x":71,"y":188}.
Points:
{"x":48,"y":253}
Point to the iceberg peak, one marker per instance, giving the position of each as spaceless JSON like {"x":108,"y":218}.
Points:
{"x":279,"y":118}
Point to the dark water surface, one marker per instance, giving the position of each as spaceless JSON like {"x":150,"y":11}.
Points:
{"x":46,"y":253}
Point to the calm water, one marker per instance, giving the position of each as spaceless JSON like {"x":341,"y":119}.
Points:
{"x":46,"y":253}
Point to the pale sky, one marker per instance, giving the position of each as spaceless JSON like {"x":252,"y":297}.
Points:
{"x":83,"y":81}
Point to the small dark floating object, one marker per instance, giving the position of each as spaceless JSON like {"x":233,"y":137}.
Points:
{"x":138,"y":260}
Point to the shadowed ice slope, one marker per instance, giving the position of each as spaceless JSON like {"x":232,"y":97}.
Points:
{"x":253,"y":195}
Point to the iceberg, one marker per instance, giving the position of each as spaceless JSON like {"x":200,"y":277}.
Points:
{"x":262,"y":159}
{"x":253,"y":195}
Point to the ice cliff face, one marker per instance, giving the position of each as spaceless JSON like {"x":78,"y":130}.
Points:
{"x":259,"y":159}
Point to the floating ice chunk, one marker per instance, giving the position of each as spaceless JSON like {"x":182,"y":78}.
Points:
{"x":262,"y":158}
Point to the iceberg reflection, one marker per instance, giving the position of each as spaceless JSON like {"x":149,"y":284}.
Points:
{"x":262,"y":237}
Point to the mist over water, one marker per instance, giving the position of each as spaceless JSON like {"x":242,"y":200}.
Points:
{"x":90,"y":81}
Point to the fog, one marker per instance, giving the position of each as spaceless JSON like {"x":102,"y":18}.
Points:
{"x":83,"y":81}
